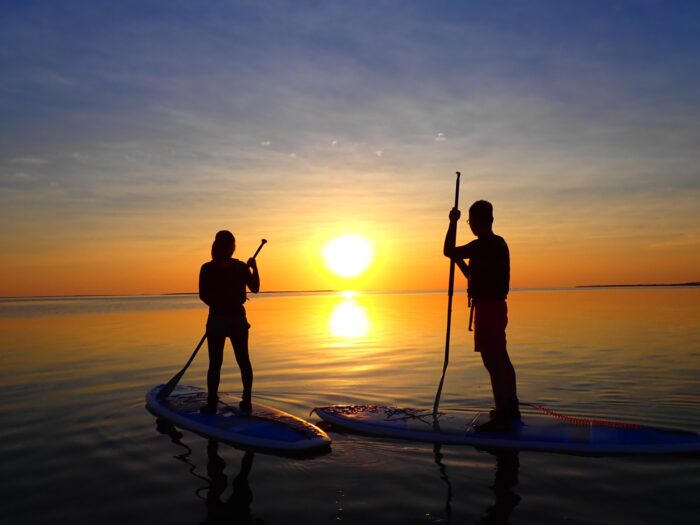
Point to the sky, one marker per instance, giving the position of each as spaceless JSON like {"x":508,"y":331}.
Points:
{"x":130,"y":132}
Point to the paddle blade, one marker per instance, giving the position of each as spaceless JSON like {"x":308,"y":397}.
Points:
{"x":170,"y":386}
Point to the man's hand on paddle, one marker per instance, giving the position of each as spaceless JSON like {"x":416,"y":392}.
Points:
{"x":455,"y":214}
{"x":252,"y":264}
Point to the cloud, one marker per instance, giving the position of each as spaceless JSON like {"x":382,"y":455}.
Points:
{"x":682,"y":240}
{"x":29,"y":161}
{"x":20,"y":180}
{"x":440,"y":137}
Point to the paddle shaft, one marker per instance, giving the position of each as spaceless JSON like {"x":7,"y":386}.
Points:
{"x":170,"y":385}
{"x":262,"y":243}
{"x":450,"y":293}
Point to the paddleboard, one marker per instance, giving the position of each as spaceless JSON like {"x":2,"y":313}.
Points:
{"x":264,"y":427}
{"x":539,"y":429}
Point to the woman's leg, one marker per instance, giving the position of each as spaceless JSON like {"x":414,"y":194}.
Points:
{"x":216,"y":359}
{"x":240,"y":349}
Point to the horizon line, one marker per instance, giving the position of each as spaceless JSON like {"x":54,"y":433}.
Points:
{"x":319,"y":291}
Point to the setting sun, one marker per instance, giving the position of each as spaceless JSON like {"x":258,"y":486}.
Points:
{"x":348,"y":256}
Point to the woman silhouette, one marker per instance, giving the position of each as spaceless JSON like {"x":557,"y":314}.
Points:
{"x":222,"y":286}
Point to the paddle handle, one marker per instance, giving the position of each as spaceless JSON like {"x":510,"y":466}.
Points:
{"x":262,"y":243}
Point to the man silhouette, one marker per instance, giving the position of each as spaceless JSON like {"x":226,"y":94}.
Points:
{"x":488,"y":273}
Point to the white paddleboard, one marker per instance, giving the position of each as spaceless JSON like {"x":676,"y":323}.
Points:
{"x":540,"y":429}
{"x":264,"y":427}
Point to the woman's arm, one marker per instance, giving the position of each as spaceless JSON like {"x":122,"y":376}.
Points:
{"x":252,"y":277}
{"x":204,"y":286}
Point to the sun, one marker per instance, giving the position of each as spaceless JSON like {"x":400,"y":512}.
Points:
{"x":349,"y":255}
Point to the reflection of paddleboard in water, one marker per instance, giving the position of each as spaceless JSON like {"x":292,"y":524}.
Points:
{"x":263,"y":428}
{"x":540,"y":429}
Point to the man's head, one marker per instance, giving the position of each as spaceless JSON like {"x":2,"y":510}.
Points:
{"x":481,"y":217}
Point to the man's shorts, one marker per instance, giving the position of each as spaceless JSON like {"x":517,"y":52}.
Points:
{"x":490,"y":321}
{"x":222,"y":325}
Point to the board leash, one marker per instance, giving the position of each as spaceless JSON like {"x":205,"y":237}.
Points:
{"x":574,"y":420}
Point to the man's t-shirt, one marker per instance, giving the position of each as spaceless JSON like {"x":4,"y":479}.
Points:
{"x":489,"y":267}
{"x":223,"y":286}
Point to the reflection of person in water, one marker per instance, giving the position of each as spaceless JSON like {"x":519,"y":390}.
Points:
{"x":505,"y":480}
{"x":489,"y":275}
{"x":236,"y":509}
{"x":222,"y":286}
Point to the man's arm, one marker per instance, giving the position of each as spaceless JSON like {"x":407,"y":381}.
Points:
{"x":456,"y":253}
{"x":451,"y":236}
{"x":464,"y":267}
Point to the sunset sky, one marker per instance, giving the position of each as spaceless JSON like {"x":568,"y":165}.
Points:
{"x":130,"y":132}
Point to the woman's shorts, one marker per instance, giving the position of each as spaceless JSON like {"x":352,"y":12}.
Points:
{"x":490,"y":321}
{"x":220,"y":325}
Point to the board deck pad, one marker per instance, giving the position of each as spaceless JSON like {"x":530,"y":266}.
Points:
{"x":539,"y":429}
{"x":263,"y":428}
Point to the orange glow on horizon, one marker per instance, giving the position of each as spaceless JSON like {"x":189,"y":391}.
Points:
{"x":406,"y":258}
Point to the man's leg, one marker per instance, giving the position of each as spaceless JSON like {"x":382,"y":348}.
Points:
{"x":495,"y":365}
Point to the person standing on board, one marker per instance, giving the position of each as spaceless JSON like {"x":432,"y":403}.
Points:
{"x":222,"y":287}
{"x":489,"y":277}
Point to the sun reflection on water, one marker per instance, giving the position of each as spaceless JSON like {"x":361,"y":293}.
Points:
{"x":349,"y":319}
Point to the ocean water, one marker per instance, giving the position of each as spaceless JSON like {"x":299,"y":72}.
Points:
{"x":77,"y":444}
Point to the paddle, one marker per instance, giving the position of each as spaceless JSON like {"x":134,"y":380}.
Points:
{"x":450,"y":293}
{"x":170,"y":385}
{"x":262,"y":243}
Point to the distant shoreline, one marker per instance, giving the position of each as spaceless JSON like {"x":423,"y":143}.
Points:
{"x":261,"y":292}
{"x":174,"y":294}
{"x":635,"y":285}
{"x":167,"y":294}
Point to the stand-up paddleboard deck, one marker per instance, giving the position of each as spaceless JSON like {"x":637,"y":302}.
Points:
{"x":539,"y":429}
{"x":263,"y":428}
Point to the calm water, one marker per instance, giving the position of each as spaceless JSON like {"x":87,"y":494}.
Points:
{"x":78,"y":446}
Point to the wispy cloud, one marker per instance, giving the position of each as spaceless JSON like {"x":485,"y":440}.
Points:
{"x":29,"y":161}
